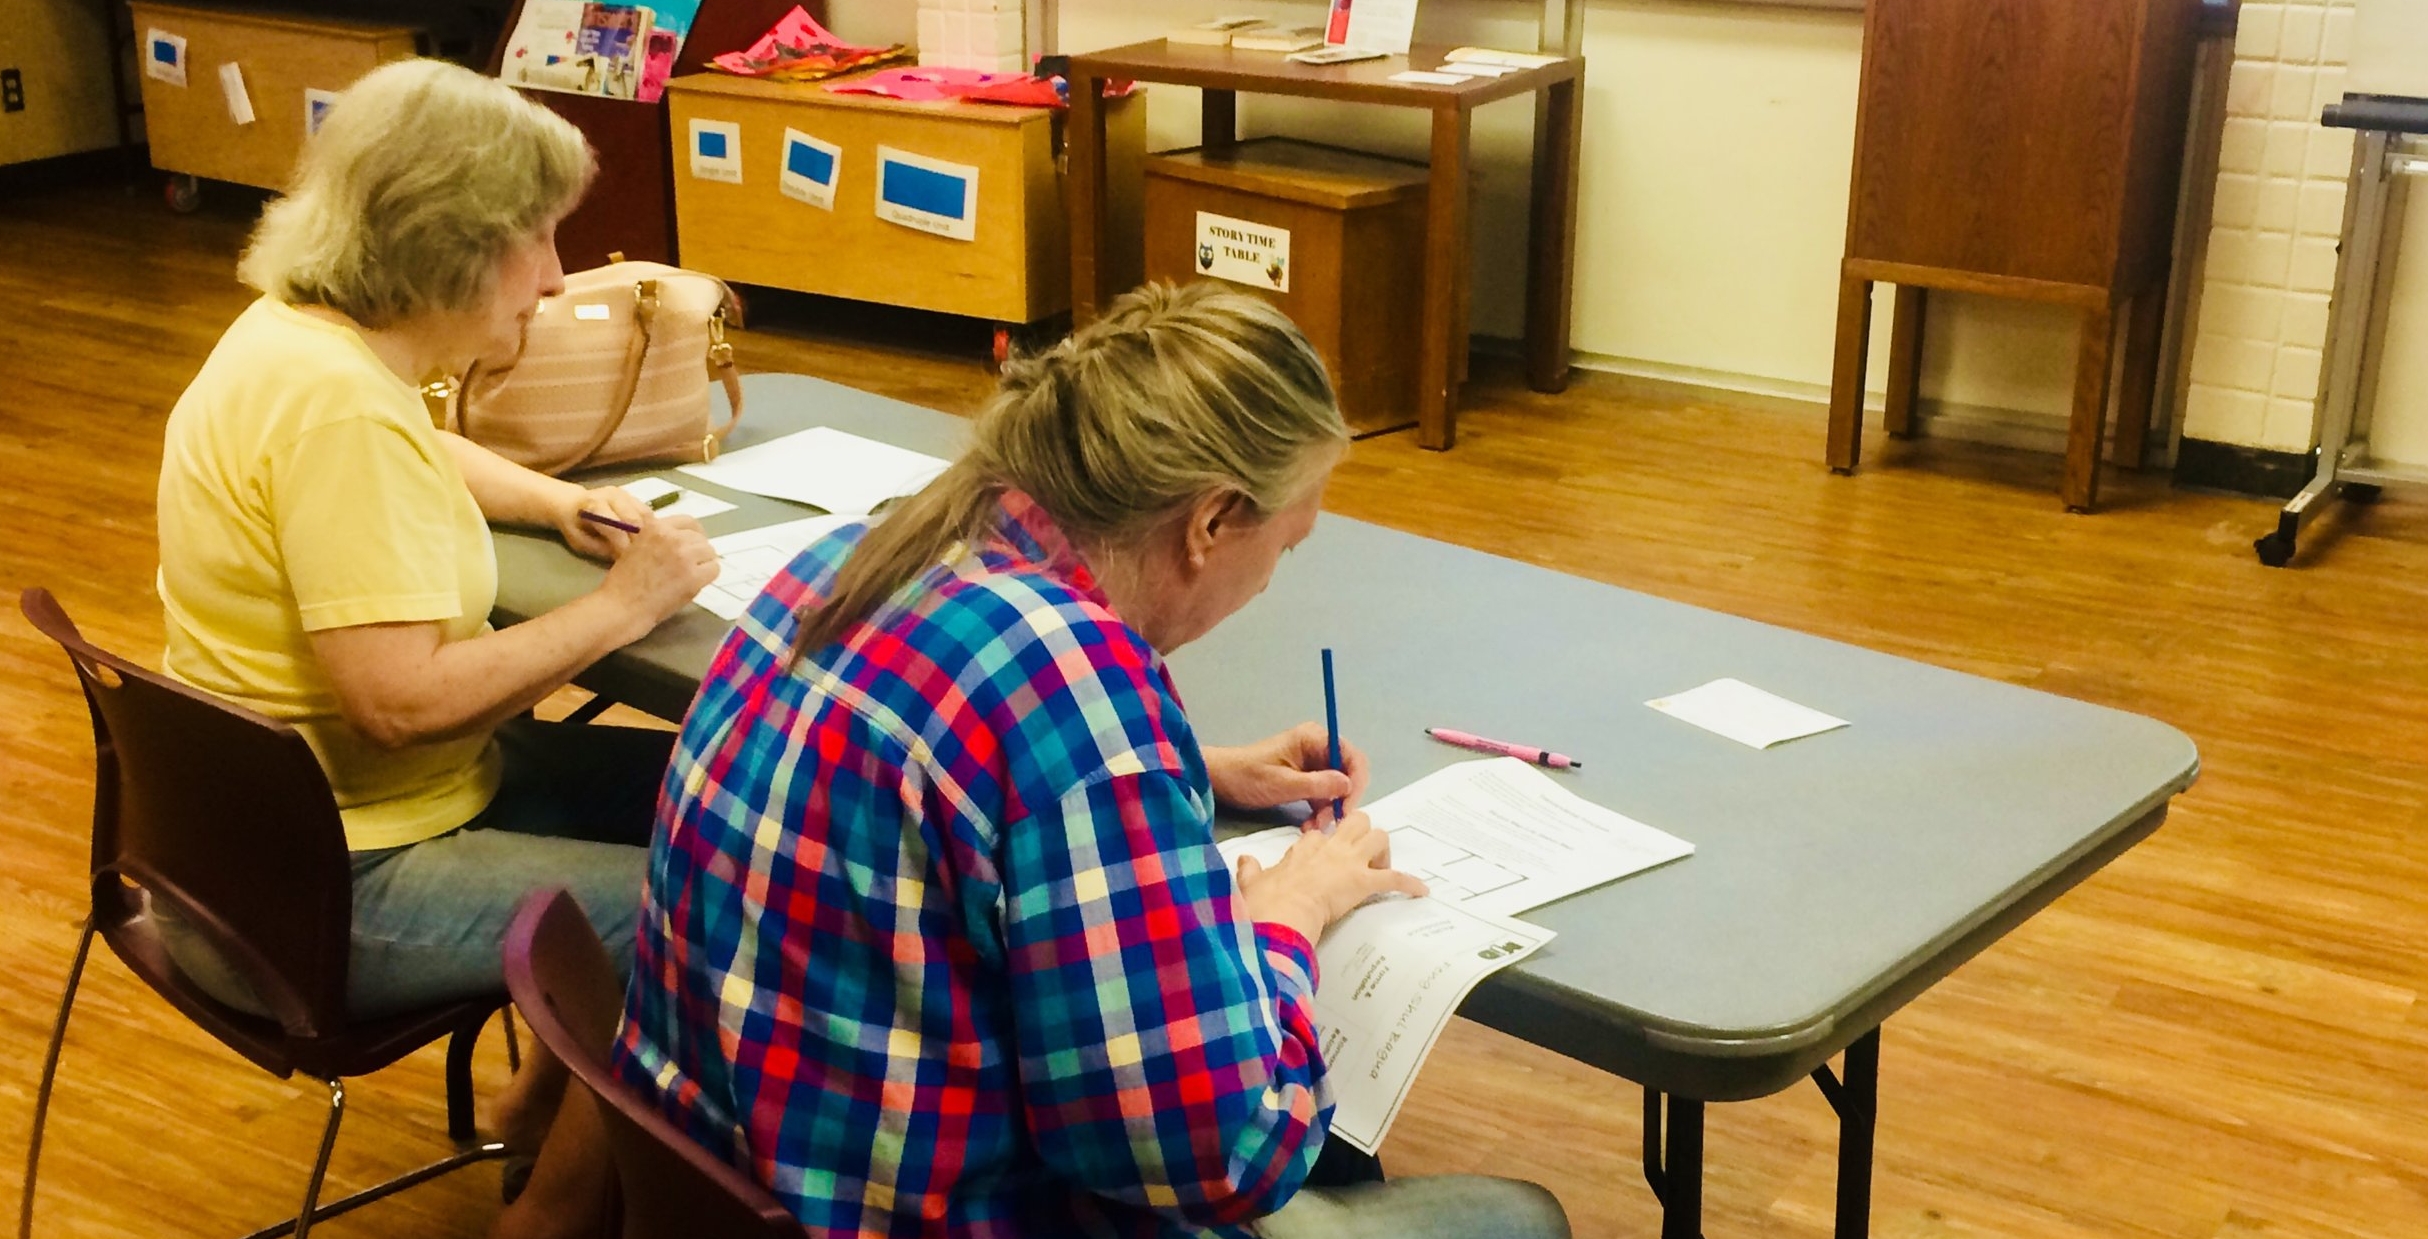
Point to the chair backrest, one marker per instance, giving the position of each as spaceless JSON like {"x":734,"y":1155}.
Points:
{"x":225,"y":817}
{"x":566,"y":987}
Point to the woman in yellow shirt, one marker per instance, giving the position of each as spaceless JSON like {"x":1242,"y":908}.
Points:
{"x":325,"y":554}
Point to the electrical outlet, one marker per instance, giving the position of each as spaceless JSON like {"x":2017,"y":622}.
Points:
{"x":12,"y":91}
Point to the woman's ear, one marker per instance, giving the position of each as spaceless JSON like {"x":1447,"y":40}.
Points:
{"x":1210,"y":516}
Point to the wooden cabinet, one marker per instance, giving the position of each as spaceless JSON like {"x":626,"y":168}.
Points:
{"x":1012,"y":266}
{"x":2021,"y":148}
{"x":1349,"y":223}
{"x":192,"y":124}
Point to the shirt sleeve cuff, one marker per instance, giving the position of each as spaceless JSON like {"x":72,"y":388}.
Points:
{"x":1292,"y":957}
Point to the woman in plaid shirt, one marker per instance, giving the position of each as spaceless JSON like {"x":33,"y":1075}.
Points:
{"x":936,"y":939}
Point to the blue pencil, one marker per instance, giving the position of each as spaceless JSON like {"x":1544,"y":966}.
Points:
{"x":1332,"y":725}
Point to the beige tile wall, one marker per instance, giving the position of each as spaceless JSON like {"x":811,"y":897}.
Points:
{"x":2279,"y":210}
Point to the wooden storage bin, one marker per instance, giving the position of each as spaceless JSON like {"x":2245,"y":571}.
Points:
{"x":1015,"y":269}
{"x":1356,"y":228}
{"x":281,"y":54}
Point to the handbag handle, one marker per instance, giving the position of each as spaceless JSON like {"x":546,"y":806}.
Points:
{"x":451,"y":406}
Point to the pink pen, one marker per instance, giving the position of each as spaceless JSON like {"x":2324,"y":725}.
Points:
{"x":1540,"y":757}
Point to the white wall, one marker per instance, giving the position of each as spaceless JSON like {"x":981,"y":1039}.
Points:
{"x":60,"y":48}
{"x":1718,"y":148}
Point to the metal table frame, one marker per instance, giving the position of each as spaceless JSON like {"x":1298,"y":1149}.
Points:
{"x":2356,"y":315}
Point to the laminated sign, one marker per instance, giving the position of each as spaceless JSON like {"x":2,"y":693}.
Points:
{"x":927,"y":194}
{"x":716,"y":150}
{"x":1243,"y":252}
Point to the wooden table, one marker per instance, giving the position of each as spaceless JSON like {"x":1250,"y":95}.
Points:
{"x":1222,"y":73}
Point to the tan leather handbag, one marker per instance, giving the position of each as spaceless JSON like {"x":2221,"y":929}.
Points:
{"x":613,"y":370}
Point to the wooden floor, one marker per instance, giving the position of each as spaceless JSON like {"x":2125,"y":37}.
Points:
{"x":2221,"y":1036}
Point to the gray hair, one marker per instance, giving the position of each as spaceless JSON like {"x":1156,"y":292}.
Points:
{"x":423,"y":176}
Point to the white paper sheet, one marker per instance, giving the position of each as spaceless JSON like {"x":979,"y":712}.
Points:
{"x":1745,"y":714}
{"x":240,"y":100}
{"x":696,"y":504}
{"x":1390,"y":975}
{"x":1380,"y":25}
{"x":823,"y":467}
{"x":747,"y":560}
{"x":1426,"y":78}
{"x":1500,"y":837}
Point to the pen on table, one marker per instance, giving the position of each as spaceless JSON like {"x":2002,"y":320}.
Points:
{"x":1332,"y":727}
{"x":610,"y":522}
{"x":1540,"y":757}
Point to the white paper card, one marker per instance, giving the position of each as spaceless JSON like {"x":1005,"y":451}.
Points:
{"x":1745,"y":714}
{"x":716,"y":150}
{"x":1490,"y":56}
{"x":1389,"y":976}
{"x":1382,"y":25}
{"x":231,"y":84}
{"x":930,"y":195}
{"x":746,"y":561}
{"x":811,"y":169}
{"x":1474,"y":68}
{"x":822,"y":467}
{"x":316,"y":108}
{"x":1243,"y":251}
{"x":1425,"y":77}
{"x":1500,"y":837}
{"x":164,"y":56}
{"x":696,"y":504}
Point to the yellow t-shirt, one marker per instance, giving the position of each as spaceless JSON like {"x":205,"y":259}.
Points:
{"x":302,"y":489}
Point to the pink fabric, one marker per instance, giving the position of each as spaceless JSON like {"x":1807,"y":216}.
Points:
{"x":924,"y":84}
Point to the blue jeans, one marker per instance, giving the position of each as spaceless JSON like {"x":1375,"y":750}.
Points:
{"x":1450,"y":1206}
{"x":574,"y":808}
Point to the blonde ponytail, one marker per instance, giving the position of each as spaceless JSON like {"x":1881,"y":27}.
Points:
{"x":1173,"y":394}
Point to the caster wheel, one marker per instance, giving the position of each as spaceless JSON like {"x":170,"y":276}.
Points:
{"x":183,"y":193}
{"x":2275,"y":550}
{"x":2358,"y":492}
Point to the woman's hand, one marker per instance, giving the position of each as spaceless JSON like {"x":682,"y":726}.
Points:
{"x":1322,"y":877}
{"x":1292,"y":766}
{"x":589,"y":537}
{"x":660,"y":569}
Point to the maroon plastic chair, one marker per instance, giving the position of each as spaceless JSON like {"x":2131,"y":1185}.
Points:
{"x":224,"y":817}
{"x":567,"y":989}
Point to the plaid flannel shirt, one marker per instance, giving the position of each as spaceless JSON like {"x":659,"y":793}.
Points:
{"x":936,"y":939}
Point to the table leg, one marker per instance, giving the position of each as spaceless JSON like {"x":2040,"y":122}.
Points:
{"x":1217,"y":119}
{"x":2144,"y":324}
{"x":2080,"y":488}
{"x":1857,"y":1101}
{"x":1846,"y":373}
{"x":1675,"y":1168}
{"x":1083,"y":190}
{"x":1446,"y":261}
{"x":1551,"y":234}
{"x":1905,"y":359}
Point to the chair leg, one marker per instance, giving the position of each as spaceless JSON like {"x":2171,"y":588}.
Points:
{"x":460,"y":1043}
{"x":50,"y":1072}
{"x":320,"y":1164}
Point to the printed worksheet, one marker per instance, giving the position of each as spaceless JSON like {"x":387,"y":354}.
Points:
{"x":1500,"y":837}
{"x":1390,"y":975}
{"x":746,"y":561}
{"x":823,"y":467}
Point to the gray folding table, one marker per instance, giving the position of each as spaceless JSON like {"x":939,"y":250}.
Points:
{"x":1834,"y":877}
